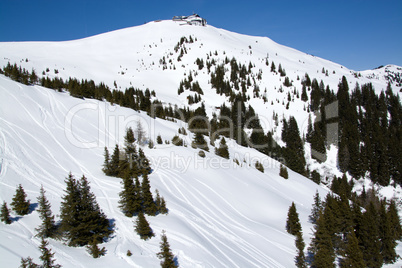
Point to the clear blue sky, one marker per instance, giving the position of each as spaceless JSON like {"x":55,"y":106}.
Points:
{"x":360,"y":34}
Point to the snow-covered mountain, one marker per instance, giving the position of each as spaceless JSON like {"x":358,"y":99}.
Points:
{"x":221,"y":214}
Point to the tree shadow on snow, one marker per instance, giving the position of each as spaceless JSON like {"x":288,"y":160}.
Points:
{"x":176,"y":261}
{"x":32,"y":207}
{"x":15,"y":219}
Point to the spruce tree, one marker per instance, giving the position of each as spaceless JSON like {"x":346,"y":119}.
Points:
{"x":294,"y":150}
{"x":5,"y":214}
{"x":94,"y":225}
{"x":82,"y":221}
{"x":131,"y":152}
{"x":369,"y":238}
{"x":321,"y":248}
{"x":283,"y":172}
{"x":70,"y":210}
{"x":318,"y":150}
{"x":159,"y":140}
{"x":396,"y":229}
{"x":148,"y":204}
{"x":115,"y":162}
{"x":106,"y":165}
{"x":160,"y":203}
{"x":199,"y":142}
{"x":293,"y":223}
{"x":94,"y":250}
{"x":47,"y":256}
{"x":353,"y":256}
{"x":142,"y":227}
{"x":259,"y":166}
{"x":388,"y":242}
{"x":300,"y":259}
{"x":163,"y":209}
{"x":28,"y":263}
{"x":316,"y":208}
{"x":143,"y":163}
{"x":130,"y":202}
{"x":20,"y":205}
{"x":48,"y":227}
{"x":166,"y":255}
{"x":222,"y":151}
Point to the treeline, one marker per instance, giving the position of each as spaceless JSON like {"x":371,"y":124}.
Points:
{"x":359,"y":232}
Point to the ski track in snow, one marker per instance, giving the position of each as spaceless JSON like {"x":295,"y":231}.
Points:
{"x":212,"y":217}
{"x":207,"y":226}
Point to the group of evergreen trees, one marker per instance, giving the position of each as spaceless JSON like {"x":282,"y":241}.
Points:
{"x":82,"y":220}
{"x":369,"y":137}
{"x":128,"y":162}
{"x":362,"y":232}
{"x":136,"y":197}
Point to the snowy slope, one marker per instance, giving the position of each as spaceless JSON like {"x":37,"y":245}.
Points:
{"x":132,"y":57}
{"x":221,"y":215}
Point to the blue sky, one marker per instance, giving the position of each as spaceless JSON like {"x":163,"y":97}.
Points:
{"x":360,"y":34}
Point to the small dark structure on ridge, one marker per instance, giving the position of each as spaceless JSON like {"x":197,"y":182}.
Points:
{"x":194,"y":19}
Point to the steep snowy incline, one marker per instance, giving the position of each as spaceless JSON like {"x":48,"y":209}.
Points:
{"x":221,"y":214}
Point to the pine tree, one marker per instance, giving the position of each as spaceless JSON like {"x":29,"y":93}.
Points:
{"x":321,"y":248}
{"x":115,"y":162}
{"x":158,"y":200}
{"x":259,"y":166}
{"x":159,"y":140}
{"x":353,"y":256}
{"x":293,"y":223}
{"x":106,"y":165}
{"x":300,"y":259}
{"x":369,"y":239}
{"x":5,"y":214}
{"x":166,"y":255}
{"x":316,"y":209}
{"x":28,"y":263}
{"x":70,"y":209}
{"x":94,"y":250}
{"x":142,"y":227}
{"x":396,"y":229}
{"x":143,"y":163}
{"x":94,"y":225}
{"x":131,"y":151}
{"x":130,"y":202}
{"x":20,"y":205}
{"x":388,"y":242}
{"x":148,"y":204}
{"x":283,"y":172}
{"x":222,"y":151}
{"x":318,"y":150}
{"x":304,"y":96}
{"x":48,"y":227}
{"x":294,"y":150}
{"x":160,"y":203}
{"x":82,"y":221}
{"x":199,"y":142}
{"x":47,"y":256}
{"x":163,"y":209}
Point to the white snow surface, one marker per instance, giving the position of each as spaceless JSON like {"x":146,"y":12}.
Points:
{"x":220,"y":214}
